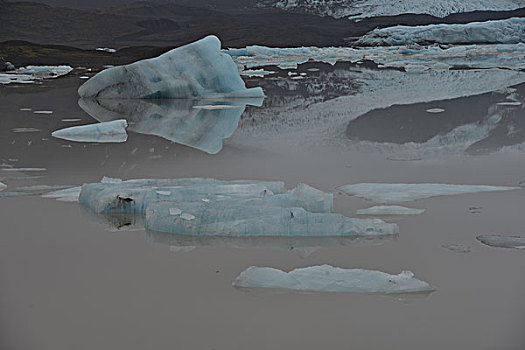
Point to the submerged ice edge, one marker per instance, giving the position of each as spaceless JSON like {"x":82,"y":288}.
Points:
{"x":326,"y":278}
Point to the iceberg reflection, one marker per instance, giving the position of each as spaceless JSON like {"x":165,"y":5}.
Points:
{"x":200,"y":124}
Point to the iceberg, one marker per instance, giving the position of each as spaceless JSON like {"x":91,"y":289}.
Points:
{"x":500,"y":241}
{"x":508,"y":31}
{"x":196,"y":70}
{"x":107,"y":132}
{"x":186,"y":122}
{"x":390,"y":210}
{"x":326,"y":278}
{"x":257,"y":217}
{"x":395,"y":193}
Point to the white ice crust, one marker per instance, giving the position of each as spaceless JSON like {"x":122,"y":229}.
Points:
{"x":396,"y":193}
{"x":107,"y":132}
{"x":29,"y":74}
{"x":508,"y":31}
{"x":326,"y":278}
{"x":501,"y":241}
{"x":196,"y":70}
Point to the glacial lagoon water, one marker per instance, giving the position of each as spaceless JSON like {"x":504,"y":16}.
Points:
{"x":68,"y":274}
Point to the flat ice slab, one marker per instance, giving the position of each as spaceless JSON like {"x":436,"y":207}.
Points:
{"x":66,"y":195}
{"x":106,"y":132}
{"x":196,"y":70}
{"x":395,"y":193}
{"x":390,"y":210}
{"x":326,"y":278}
{"x":503,"y":241}
{"x":458,"y":248}
{"x":30,"y":74}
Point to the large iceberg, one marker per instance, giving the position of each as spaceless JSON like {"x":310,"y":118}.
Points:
{"x":196,"y":70}
{"x":508,"y":31}
{"x":326,"y":278}
{"x":208,"y":207}
{"x":394,"y":193}
{"x":500,"y":241}
{"x":187,"y":122}
{"x":111,"y":132}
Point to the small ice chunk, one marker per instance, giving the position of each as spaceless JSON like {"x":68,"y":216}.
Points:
{"x":66,"y":195}
{"x":509,"y":103}
{"x":458,"y":248}
{"x":209,"y":107}
{"x":164,"y":193}
{"x":390,"y":210}
{"x":187,"y":216}
{"x":40,"y":188}
{"x":181,"y":249}
{"x":500,"y":241}
{"x":71,"y":120}
{"x":25,"y":130}
{"x":110,"y":180}
{"x":394,"y":193}
{"x":26,"y":109}
{"x":435,"y":110}
{"x":205,"y":200}
{"x":24,"y":169}
{"x":3,"y":186}
{"x":114,"y":131}
{"x":326,"y":278}
{"x":106,"y":49}
{"x":43,"y":112}
{"x":175,"y":211}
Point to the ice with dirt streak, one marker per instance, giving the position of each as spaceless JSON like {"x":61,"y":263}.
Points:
{"x":500,"y":241}
{"x":326,"y":278}
{"x":106,"y":132}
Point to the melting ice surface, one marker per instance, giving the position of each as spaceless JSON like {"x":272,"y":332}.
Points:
{"x":208,"y":207}
{"x":394,"y":193}
{"x":196,"y":70}
{"x":508,"y":31}
{"x":187,"y":122}
{"x":66,"y":195}
{"x":326,"y":278}
{"x":112,"y":132}
{"x":503,"y":241}
{"x":390,"y":210}
{"x":29,"y":74}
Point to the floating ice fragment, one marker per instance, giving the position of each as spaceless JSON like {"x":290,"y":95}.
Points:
{"x":392,"y":193}
{"x":175,"y":211}
{"x":196,"y":70}
{"x":114,"y":131}
{"x":3,"y":186}
{"x":24,"y":169}
{"x":187,"y":216}
{"x":71,"y":120}
{"x":26,"y":109}
{"x":500,"y":241}
{"x":326,"y":278}
{"x":110,"y":180}
{"x":390,"y":210}
{"x":435,"y":110}
{"x":217,"y":107}
{"x":458,"y":248}
{"x":164,"y":193}
{"x":43,"y":112}
{"x":17,"y":130}
{"x":509,"y":103}
{"x":106,"y":49}
{"x":66,"y":195}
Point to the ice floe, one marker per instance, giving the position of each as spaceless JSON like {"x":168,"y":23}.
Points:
{"x":500,"y":241}
{"x":106,"y":49}
{"x":395,"y":193}
{"x":326,"y":278}
{"x":193,"y":123}
{"x":196,"y":70}
{"x":30,"y":74}
{"x":373,"y":8}
{"x":43,"y":112}
{"x":113,"y":132}
{"x":66,"y":195}
{"x":458,"y":248}
{"x":508,"y":31}
{"x":435,"y":110}
{"x":3,"y":186}
{"x":390,"y":210}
